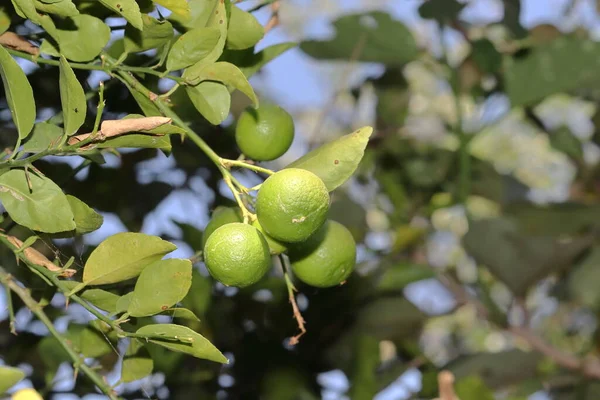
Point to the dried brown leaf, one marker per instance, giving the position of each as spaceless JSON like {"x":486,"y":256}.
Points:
{"x":17,"y":42}
{"x":38,"y":258}
{"x":112,"y":128}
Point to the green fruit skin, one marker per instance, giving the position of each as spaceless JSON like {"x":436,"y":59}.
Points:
{"x":266,"y":133}
{"x":280,"y":212}
{"x":237,"y":254}
{"x":327,"y":258}
{"x":221,"y":216}
{"x":275,"y":246}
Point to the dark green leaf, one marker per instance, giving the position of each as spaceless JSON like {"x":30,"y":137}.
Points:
{"x":373,"y":37}
{"x":398,"y":276}
{"x":443,"y":11}
{"x":19,"y":94}
{"x":44,"y":208}
{"x":137,"y":363}
{"x":182,"y":339}
{"x":154,"y":34}
{"x":336,"y":161}
{"x":43,"y":137}
{"x":123,"y":256}
{"x":249,"y":62}
{"x":583,"y":281}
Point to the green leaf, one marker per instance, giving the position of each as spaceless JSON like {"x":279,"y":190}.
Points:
{"x":244,"y":30}
{"x":123,"y":303}
{"x":211,"y":99}
{"x":160,"y":285}
{"x":249,"y":62}
{"x":86,"y":219}
{"x":128,"y":9}
{"x":88,"y":341}
{"x":199,"y":296}
{"x":123,"y":256}
{"x":182,"y":339}
{"x":223,"y":72}
{"x":583,"y":281}
{"x":44,"y":208}
{"x":473,"y":388}
{"x":80,"y":38}
{"x":191,"y":235}
{"x":372,"y":37}
{"x":182,"y":313}
{"x":443,"y":11}
{"x":199,"y":13}
{"x":141,"y":141}
{"x":72,"y":98}
{"x":146,"y":105}
{"x":19,"y":94}
{"x":336,"y":161}
{"x":366,"y":361}
{"x":134,"y":368}
{"x":154,"y":34}
{"x":517,"y":259}
{"x":398,"y":276}
{"x":9,"y":377}
{"x":43,"y":137}
{"x":563,"y":65}
{"x":192,"y":46}
{"x":4,"y":20}
{"x":181,"y":8}
{"x":63,"y":8}
{"x":555,"y":219}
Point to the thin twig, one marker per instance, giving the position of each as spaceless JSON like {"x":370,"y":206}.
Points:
{"x":274,"y":20}
{"x":446,"y":386}
{"x":296,"y":311}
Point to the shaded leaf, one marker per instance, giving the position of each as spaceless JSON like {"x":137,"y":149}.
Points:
{"x":43,"y":137}
{"x":9,"y":377}
{"x":72,"y":98}
{"x":192,"y":47}
{"x":443,"y":11}
{"x":80,"y":38}
{"x":128,"y":9}
{"x":244,"y":30}
{"x":563,"y":65}
{"x":211,"y":99}
{"x":123,"y":302}
{"x":398,"y":276}
{"x":473,"y":388}
{"x":102,"y":299}
{"x":182,"y":313}
{"x":336,"y":161}
{"x":19,"y":94}
{"x":364,"y":368}
{"x":123,"y":256}
{"x":88,"y":341}
{"x":583,"y":281}
{"x":182,"y":339}
{"x":154,"y":34}
{"x":63,"y":8}
{"x":199,"y":296}
{"x":137,"y":363}
{"x":44,"y":208}
{"x":160,"y":285}
{"x":517,"y":259}
{"x":249,"y":62}
{"x":374,"y":37}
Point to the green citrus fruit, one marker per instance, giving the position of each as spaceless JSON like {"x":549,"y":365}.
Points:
{"x":221,"y":216}
{"x":292,"y":204}
{"x":265,"y":133}
{"x":275,"y":246}
{"x":237,"y":254}
{"x":327,"y":258}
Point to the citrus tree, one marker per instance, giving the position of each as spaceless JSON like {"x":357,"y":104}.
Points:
{"x":304,"y":266}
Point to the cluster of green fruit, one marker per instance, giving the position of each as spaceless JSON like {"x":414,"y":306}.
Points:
{"x":291,"y":217}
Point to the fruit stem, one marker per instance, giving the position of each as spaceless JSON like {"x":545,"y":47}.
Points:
{"x":248,"y":216}
{"x":243,"y":164}
{"x":285,"y":266}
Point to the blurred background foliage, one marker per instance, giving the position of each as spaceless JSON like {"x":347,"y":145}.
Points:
{"x":476,"y":209}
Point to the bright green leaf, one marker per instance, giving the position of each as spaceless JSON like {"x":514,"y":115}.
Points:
{"x":192,"y":47}
{"x":244,"y":30}
{"x":136,"y":367}
{"x":123,"y":256}
{"x":336,"y":161}
{"x":44,"y":208}
{"x":128,"y":9}
{"x":223,"y":72}
{"x":19,"y":94}
{"x":72,"y":98}
{"x":155,"y":34}
{"x":86,"y":219}
{"x":249,"y":62}
{"x":372,"y":37}
{"x":211,"y":99}
{"x":160,"y":285}
{"x":63,"y":8}
{"x":123,"y":303}
{"x":43,"y":137}
{"x":199,"y":13}
{"x":4,"y":20}
{"x":9,"y":377}
{"x":182,"y":339}
{"x":181,"y":8}
{"x":80,"y":38}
